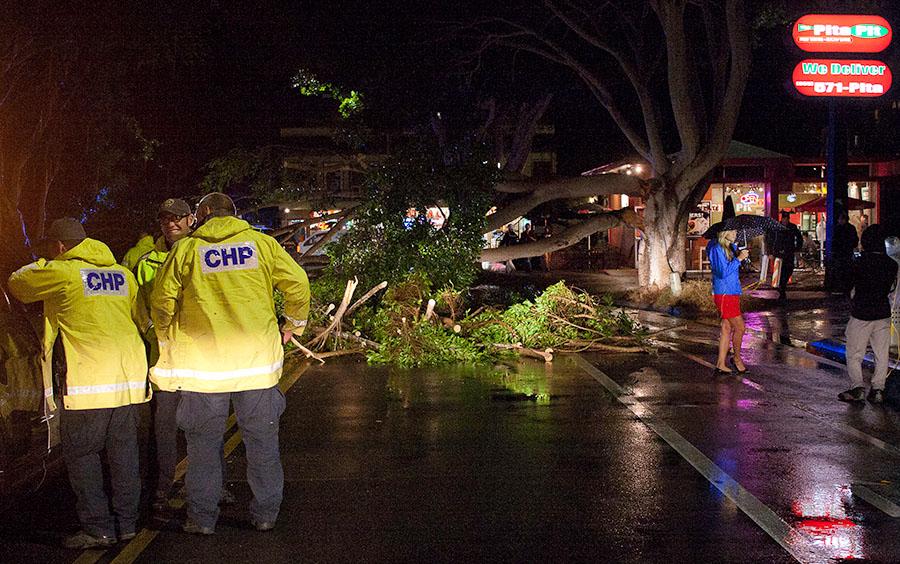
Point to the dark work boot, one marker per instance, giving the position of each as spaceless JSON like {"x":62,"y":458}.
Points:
{"x":875,"y":396}
{"x":854,"y":394}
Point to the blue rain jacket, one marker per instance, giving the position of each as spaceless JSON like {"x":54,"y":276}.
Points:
{"x":725,"y":277}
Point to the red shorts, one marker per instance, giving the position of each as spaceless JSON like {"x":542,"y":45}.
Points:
{"x":729,"y":305}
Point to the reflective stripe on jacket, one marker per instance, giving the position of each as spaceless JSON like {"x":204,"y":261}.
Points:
{"x":90,"y":303}
{"x":213,"y":309}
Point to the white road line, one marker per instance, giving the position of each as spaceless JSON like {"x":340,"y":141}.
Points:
{"x":849,"y":430}
{"x":791,"y":540}
{"x":826,"y":419}
{"x":879,"y":501}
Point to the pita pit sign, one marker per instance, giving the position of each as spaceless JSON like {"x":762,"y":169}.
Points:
{"x":823,"y":33}
{"x":842,"y":78}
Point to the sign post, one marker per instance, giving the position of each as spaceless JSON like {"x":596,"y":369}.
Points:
{"x":836,"y":179}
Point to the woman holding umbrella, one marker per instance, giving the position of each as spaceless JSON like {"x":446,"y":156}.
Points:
{"x":725,"y":261}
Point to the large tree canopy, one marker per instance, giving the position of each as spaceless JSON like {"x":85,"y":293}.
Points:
{"x":670,"y":73}
{"x":71,"y":143}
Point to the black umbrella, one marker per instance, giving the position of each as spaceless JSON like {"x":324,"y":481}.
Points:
{"x":747,"y":226}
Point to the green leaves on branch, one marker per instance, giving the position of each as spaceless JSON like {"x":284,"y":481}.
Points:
{"x":393,"y":235}
{"x":307,"y":84}
{"x":560,"y":318}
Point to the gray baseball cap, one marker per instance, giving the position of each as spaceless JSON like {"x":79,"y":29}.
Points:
{"x":65,"y":229}
{"x":175,"y":206}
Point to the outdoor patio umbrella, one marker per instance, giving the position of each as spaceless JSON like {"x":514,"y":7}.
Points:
{"x":818,"y":205}
{"x":748,"y":227}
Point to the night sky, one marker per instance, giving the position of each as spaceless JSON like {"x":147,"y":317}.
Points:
{"x":232,"y":88}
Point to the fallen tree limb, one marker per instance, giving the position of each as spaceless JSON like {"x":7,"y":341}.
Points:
{"x":579,"y":346}
{"x":336,"y":322}
{"x":429,"y":311}
{"x":546,"y":356}
{"x":329,"y":235}
{"x":354,"y":337}
{"x":365,"y":297}
{"x":450,"y":324}
{"x":358,"y":339}
{"x":667,"y":329}
{"x":342,"y":352}
{"x":306,"y":351}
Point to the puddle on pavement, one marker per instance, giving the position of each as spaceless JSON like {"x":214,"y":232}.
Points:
{"x":526,"y":381}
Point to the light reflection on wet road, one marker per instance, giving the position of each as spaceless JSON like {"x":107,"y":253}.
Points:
{"x":535,"y":462}
{"x":793,"y":445}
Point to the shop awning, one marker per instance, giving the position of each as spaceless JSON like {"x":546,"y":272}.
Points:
{"x":818,"y":205}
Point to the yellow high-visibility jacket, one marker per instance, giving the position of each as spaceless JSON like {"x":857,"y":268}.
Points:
{"x":90,"y":303}
{"x":145,"y":274}
{"x":213,"y":309}
{"x":134,"y":254}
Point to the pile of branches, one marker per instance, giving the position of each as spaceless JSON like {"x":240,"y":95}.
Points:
{"x":410,"y":326}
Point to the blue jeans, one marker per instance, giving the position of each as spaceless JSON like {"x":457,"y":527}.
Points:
{"x":84,"y":434}
{"x":202,"y":417}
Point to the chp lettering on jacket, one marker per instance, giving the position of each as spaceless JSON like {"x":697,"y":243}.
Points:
{"x":228,"y":257}
{"x":103,"y":282}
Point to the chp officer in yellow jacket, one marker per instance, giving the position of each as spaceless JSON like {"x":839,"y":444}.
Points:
{"x":175,"y":219}
{"x":214,"y":315}
{"x":90,"y":304}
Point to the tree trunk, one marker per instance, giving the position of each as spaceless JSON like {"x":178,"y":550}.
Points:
{"x":664,"y":238}
{"x":13,"y":251}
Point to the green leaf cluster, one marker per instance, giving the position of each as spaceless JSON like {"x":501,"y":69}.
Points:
{"x":392,"y":238}
{"x":557,"y":318}
{"x":307,"y":84}
{"x":408,"y":340}
{"x":422,"y":343}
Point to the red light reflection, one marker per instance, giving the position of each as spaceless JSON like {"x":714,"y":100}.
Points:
{"x":824,"y":521}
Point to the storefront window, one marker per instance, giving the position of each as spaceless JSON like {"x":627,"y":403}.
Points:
{"x":809,"y":197}
{"x":748,"y":197}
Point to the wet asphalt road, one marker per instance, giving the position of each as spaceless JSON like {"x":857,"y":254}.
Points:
{"x":596,"y":458}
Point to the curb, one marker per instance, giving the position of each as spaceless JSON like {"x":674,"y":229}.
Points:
{"x":837,"y":351}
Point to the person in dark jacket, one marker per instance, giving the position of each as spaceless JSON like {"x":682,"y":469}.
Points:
{"x":786,"y":244}
{"x":872,"y":278}
{"x":842,"y":247}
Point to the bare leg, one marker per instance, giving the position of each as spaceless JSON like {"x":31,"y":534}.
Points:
{"x":724,"y":344}
{"x":737,"y":337}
